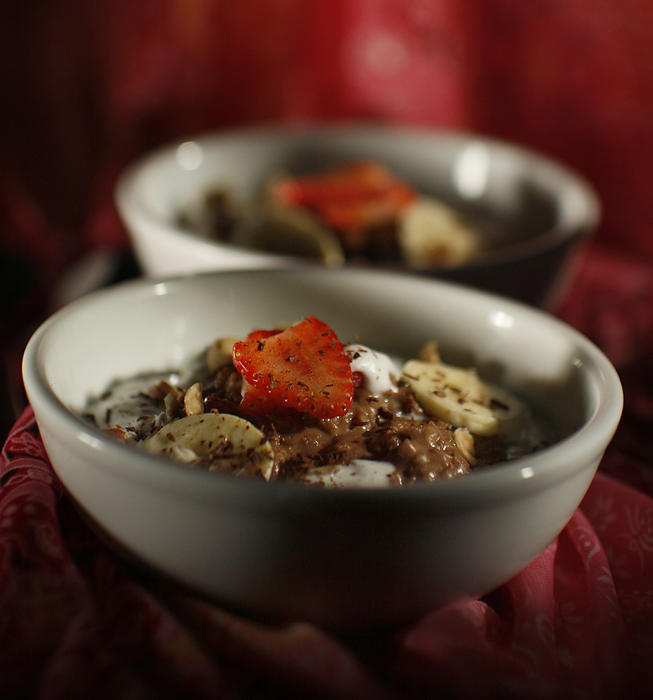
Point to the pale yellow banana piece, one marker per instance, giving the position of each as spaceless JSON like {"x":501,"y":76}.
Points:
{"x":218,"y":354}
{"x":460,"y":397}
{"x":431,"y":233}
{"x":228,"y":442}
{"x":290,"y":231}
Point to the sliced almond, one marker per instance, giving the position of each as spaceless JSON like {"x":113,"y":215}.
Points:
{"x":193,"y":401}
{"x":173,"y":401}
{"x":161,"y":389}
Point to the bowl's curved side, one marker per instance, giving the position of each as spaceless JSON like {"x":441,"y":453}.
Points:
{"x":163,"y":249}
{"x":150,"y":192}
{"x":349,"y":558}
{"x":336,"y":564}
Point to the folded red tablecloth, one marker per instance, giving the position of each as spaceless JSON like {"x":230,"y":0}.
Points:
{"x":77,"y":621}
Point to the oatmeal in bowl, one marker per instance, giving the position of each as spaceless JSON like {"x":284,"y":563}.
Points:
{"x":295,"y":404}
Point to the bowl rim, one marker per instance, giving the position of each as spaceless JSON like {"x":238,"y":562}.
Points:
{"x":577,"y":228}
{"x":499,"y":482}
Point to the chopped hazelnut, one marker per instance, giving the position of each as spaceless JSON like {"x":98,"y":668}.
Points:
{"x":465,"y":443}
{"x":193,"y":402}
{"x":429,"y":353}
{"x":121,"y":434}
{"x":173,"y":402}
{"x":160,"y":389}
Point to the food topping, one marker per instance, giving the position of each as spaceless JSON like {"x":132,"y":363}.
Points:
{"x":349,"y":198}
{"x":374,"y":370}
{"x":227,"y":442}
{"x":357,"y":210}
{"x":461,"y":398}
{"x":193,"y":401}
{"x":430,"y":233}
{"x":359,"y":202}
{"x":361,"y":472}
{"x":303,"y":368}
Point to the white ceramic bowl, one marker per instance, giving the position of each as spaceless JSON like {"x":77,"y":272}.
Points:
{"x":533,"y":210}
{"x":344,"y":558}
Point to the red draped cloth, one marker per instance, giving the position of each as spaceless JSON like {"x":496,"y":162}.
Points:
{"x":78,"y":622}
{"x":90,"y":86}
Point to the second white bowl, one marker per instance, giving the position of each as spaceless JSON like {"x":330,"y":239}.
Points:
{"x":533,"y":210}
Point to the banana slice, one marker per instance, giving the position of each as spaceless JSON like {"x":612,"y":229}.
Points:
{"x":228,"y":442}
{"x":218,"y":354}
{"x":461,"y":398}
{"x":288,"y":231}
{"x":431,"y":233}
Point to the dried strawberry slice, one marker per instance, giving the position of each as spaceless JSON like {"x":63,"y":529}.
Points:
{"x":355,"y":181}
{"x":350,"y":198}
{"x":362,"y":214}
{"x":257,"y":335}
{"x":304,"y":368}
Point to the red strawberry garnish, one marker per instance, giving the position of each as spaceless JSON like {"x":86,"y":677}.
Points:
{"x":257,"y":335}
{"x":349,"y":198}
{"x":304,"y":368}
{"x":354,"y":181}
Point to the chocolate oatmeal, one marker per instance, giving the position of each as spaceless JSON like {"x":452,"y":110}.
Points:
{"x":296,"y":404}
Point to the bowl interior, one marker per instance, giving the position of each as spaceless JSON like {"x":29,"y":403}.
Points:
{"x":144,"y":326}
{"x":517,"y":199}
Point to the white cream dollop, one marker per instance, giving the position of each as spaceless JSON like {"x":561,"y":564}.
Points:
{"x":361,"y":473}
{"x":380,"y":371}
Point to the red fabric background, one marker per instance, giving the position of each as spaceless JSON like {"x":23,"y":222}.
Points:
{"x":91,"y":85}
